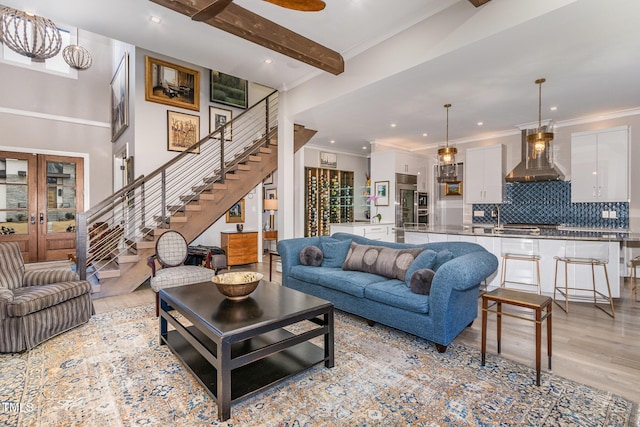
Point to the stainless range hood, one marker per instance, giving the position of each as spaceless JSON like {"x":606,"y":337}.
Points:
{"x":534,"y":167}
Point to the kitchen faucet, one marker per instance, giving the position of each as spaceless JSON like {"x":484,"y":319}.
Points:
{"x":496,"y":213}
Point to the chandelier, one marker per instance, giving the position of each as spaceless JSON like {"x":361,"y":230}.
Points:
{"x":29,"y":35}
{"x":539,"y":139}
{"x":77,"y":57}
{"x":447,"y":167}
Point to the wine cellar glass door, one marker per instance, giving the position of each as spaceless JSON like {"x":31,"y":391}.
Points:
{"x":329,"y":199}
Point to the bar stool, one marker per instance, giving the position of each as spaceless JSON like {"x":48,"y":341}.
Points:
{"x":520,"y":250}
{"x":584,"y":253}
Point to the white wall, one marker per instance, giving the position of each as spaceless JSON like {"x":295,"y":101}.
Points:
{"x":48,"y":113}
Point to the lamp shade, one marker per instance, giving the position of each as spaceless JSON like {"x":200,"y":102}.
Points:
{"x":270,"y":204}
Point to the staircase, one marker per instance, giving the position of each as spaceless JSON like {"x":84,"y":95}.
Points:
{"x":188,"y":194}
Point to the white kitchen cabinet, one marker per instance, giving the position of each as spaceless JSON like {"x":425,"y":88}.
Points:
{"x":599,"y":168}
{"x":380,"y":231}
{"x":412,"y":164}
{"x":484,"y":175}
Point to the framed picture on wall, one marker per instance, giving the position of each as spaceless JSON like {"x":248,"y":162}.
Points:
{"x":183,"y":130}
{"x":219,"y":117}
{"x":382,"y":192}
{"x":171,"y":84}
{"x":453,"y":188}
{"x":328,"y":160}
{"x":236,"y":213}
{"x":120,"y":98}
{"x":228,"y":90}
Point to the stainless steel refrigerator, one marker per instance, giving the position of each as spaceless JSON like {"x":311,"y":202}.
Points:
{"x":406,"y":202}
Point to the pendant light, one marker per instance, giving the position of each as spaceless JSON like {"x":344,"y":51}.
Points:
{"x":33,"y":36}
{"x":538,"y":139}
{"x":77,"y":57}
{"x":447,"y":167}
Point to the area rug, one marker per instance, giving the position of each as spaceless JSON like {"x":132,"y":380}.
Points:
{"x":112,"y":372}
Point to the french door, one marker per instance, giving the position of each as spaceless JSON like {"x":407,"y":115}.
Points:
{"x":39,"y":197}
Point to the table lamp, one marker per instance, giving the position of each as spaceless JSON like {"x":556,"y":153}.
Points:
{"x":271,"y":205}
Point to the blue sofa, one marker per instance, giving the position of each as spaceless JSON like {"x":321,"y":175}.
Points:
{"x":439,"y":317}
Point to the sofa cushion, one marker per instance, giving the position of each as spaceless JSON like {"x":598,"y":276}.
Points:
{"x":35,"y":298}
{"x":397,"y":294}
{"x":334,"y":251}
{"x":420,"y":282}
{"x":380,"y":260}
{"x":426,"y":259}
{"x":350,"y":282}
{"x":311,"y":255}
{"x":443,"y":256}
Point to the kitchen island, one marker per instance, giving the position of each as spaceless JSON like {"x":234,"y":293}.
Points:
{"x":383,"y":231}
{"x":551,"y":242}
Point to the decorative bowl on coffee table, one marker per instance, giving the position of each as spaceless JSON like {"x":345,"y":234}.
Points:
{"x":237,"y":285}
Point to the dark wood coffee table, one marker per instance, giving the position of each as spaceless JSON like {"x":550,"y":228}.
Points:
{"x":237,"y":348}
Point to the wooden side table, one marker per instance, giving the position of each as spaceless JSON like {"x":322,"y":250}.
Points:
{"x":538,"y":303}
{"x":271,"y":255}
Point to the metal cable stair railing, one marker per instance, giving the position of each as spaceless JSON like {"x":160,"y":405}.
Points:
{"x":118,"y":225}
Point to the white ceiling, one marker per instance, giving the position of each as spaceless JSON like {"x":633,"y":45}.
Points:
{"x":588,"y":50}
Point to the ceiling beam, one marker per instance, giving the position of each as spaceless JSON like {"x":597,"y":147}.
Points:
{"x":249,"y":26}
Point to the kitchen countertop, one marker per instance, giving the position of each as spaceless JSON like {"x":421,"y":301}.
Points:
{"x":562,"y":233}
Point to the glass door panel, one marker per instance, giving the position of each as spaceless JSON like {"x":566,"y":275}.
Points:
{"x":14,"y":195}
{"x":61,"y":197}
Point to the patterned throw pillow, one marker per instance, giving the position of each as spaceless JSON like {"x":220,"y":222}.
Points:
{"x":420,"y":282}
{"x":311,"y":256}
{"x":380,"y":260}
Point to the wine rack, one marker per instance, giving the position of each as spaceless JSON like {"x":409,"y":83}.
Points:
{"x":328,"y":198}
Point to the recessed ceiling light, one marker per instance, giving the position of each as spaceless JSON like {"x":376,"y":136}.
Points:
{"x":425,"y":134}
{"x":155,"y":19}
{"x":480,"y":123}
{"x":364,"y":147}
{"x":332,"y":141}
{"x":393,"y":125}
{"x":553,"y":108}
{"x":268,"y":61}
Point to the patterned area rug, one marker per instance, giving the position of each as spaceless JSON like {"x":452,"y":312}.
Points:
{"x":112,"y":372}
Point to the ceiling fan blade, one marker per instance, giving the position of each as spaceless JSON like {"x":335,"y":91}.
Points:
{"x":301,"y":5}
{"x":478,"y":3}
{"x":212,"y":10}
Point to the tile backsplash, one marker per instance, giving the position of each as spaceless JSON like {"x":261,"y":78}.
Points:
{"x":550,"y":203}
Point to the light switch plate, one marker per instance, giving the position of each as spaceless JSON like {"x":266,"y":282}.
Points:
{"x":605,"y":214}
{"x":477,"y":214}
{"x":613,"y":214}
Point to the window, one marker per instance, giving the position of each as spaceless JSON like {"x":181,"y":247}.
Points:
{"x":55,"y":65}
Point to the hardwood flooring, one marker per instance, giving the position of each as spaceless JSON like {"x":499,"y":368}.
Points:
{"x":588,"y":346}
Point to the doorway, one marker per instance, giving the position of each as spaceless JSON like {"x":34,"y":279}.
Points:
{"x":39,"y":197}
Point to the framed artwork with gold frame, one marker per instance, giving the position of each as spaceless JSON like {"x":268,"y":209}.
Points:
{"x":171,"y":84}
{"x":453,"y":188}
{"x":236,"y":213}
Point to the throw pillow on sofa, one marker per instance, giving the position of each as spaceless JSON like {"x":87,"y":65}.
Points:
{"x":426,"y":259}
{"x":311,"y":255}
{"x":334,"y":251}
{"x":420,"y":282}
{"x":443,"y":256}
{"x":380,"y":260}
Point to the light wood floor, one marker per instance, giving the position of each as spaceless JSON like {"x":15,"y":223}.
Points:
{"x":588,"y":346}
